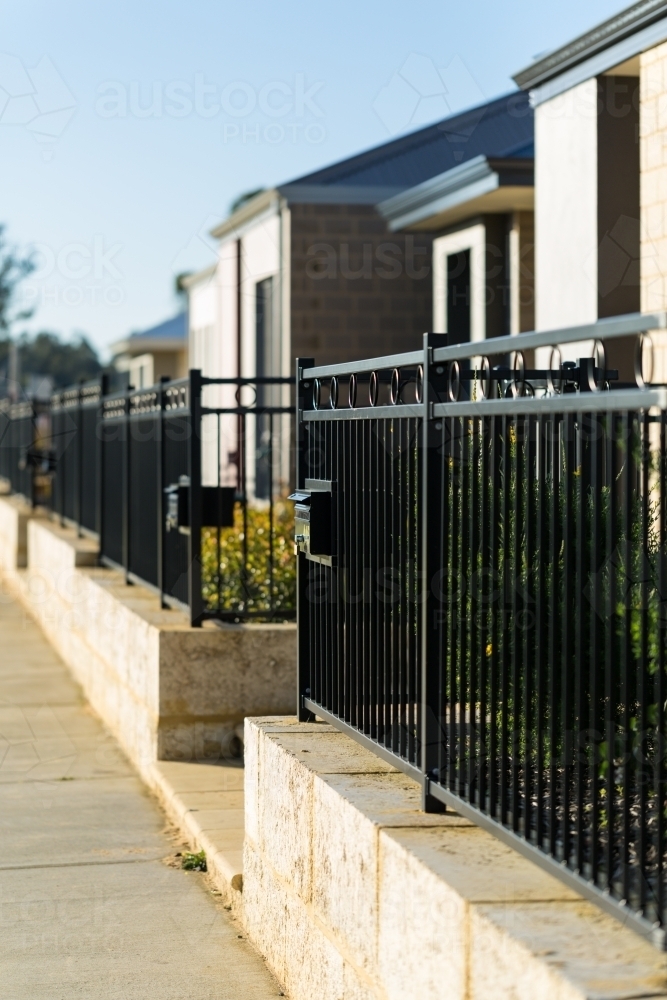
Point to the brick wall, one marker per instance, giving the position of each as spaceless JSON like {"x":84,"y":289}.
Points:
{"x":357,"y":290}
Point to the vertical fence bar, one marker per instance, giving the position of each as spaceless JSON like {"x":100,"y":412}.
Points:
{"x":195,"y":596}
{"x":626,"y":651}
{"x":78,"y":517}
{"x":160,"y":450}
{"x":610,"y":659}
{"x":432,"y":720}
{"x":304,"y":397}
{"x":99,"y":460}
{"x":659,"y":777}
{"x":127,"y":435}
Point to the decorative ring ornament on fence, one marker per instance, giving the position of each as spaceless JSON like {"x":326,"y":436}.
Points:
{"x":333,"y":393}
{"x":555,"y":388}
{"x":454,"y":381}
{"x":486,"y":382}
{"x":395,"y":391}
{"x":600,"y":355}
{"x":249,"y":404}
{"x":373,"y":389}
{"x":317,"y":389}
{"x":644,"y":341}
{"x":352,"y":392}
{"x":419,"y":385}
{"x":519,"y":374}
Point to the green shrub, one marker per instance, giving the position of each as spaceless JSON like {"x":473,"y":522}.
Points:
{"x":242,"y":573}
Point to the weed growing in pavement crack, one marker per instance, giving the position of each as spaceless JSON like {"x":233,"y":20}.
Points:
{"x":194,"y":862}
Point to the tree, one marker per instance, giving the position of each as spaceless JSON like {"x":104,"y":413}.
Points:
{"x":13,"y":269}
{"x":44,"y":354}
{"x":66,"y":363}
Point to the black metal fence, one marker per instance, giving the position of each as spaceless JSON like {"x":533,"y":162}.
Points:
{"x":24,"y":433}
{"x":482,"y":592}
{"x":184,"y":485}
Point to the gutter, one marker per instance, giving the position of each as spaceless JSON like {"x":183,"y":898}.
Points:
{"x":147,"y":346}
{"x":194,"y":279}
{"x":616,"y":29}
{"x":246,"y":213}
{"x":479,"y":176}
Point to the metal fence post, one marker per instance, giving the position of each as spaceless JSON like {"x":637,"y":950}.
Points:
{"x":431,"y":546}
{"x":304,"y":396}
{"x":195,"y":596}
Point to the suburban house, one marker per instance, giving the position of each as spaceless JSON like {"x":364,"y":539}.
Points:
{"x":480,"y":216}
{"x":313,"y":267}
{"x":601,"y":176}
{"x":151,"y":354}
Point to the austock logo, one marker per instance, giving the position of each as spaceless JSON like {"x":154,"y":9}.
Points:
{"x":37,"y":98}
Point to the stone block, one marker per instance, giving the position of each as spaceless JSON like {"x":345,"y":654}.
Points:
{"x":297,"y":949}
{"x":422,"y":933}
{"x":251,"y":780}
{"x":351,"y":891}
{"x":285,"y":815}
{"x":345,"y":869}
{"x":564,"y":951}
{"x":15,"y":514}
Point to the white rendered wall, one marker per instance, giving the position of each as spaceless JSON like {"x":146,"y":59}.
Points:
{"x":214,"y":335}
{"x":203,"y":323}
{"x":566,"y":226}
{"x":208,"y":351}
{"x":261,"y":259}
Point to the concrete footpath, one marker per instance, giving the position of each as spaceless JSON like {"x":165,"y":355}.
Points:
{"x":93,"y":904}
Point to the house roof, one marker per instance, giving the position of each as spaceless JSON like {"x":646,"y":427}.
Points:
{"x":620,"y":37}
{"x":501,"y":128}
{"x":176,"y":327}
{"x":168,"y":335}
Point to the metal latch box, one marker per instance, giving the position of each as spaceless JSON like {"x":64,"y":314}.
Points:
{"x":217,"y":506}
{"x":314,"y":533}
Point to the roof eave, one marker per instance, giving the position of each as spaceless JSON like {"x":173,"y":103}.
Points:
{"x":454,"y":188}
{"x":140,"y":346}
{"x":246,"y":213}
{"x":337,"y":194}
{"x":623,"y":25}
{"x":195,"y":279}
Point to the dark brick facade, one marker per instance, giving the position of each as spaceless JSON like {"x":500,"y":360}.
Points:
{"x":358,"y":290}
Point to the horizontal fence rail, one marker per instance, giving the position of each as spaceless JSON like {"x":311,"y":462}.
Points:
{"x":183,"y":483}
{"x":482,"y":591}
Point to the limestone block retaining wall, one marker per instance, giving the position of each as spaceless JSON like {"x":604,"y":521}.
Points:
{"x":14,"y":516}
{"x":351,"y":893}
{"x":167,"y":691}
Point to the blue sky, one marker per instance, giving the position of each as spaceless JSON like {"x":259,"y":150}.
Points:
{"x":127,"y":128}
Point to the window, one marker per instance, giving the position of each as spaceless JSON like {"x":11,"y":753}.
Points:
{"x":458,"y":297}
